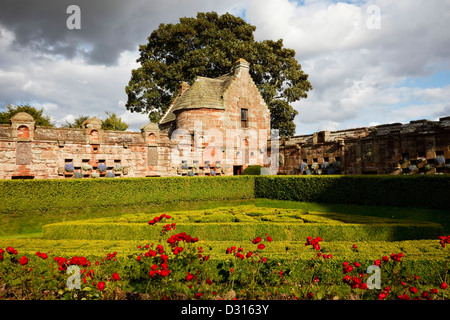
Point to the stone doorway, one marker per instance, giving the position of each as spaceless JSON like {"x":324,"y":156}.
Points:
{"x":237,"y":170}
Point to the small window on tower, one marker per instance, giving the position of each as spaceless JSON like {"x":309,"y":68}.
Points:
{"x":244,"y":118}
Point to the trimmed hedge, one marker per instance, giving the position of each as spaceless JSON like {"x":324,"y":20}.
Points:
{"x":243,"y":231}
{"x":381,"y":190}
{"x":44,"y":195}
{"x":37,"y":196}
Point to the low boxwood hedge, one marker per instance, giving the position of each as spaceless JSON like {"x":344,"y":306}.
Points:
{"x":243,"y":231}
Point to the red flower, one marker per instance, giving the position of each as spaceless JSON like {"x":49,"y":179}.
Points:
{"x":395,"y":257}
{"x":404,"y":297}
{"x":347,"y":269}
{"x":101,"y":286}
{"x":115,"y":276}
{"x":164,"y":273}
{"x":23,"y":260}
{"x":309,"y":295}
{"x":443,"y":285}
{"x":256,"y":240}
{"x":434,"y":291}
{"x":444,"y":240}
{"x":413,"y":290}
{"x":261,"y":246}
{"x":356,"y":264}
{"x":313,"y":242}
{"x":198,"y":295}
{"x":189,"y":276}
{"x":269,"y":239}
{"x":208,"y":281}
{"x":382,"y":296}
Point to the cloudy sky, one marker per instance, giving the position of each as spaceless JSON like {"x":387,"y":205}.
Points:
{"x":370,"y":62}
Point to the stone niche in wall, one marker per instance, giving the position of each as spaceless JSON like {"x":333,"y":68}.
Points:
{"x":151,"y":134}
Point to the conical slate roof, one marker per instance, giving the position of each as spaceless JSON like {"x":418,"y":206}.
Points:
{"x":203,"y":93}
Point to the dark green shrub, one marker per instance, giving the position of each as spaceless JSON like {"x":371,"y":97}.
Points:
{"x":254,"y":170}
{"x":398,"y":191}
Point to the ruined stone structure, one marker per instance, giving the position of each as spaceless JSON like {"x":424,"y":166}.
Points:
{"x":213,"y":127}
{"x":218,"y":127}
{"x":420,"y":146}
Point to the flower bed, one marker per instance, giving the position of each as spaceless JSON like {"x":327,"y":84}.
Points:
{"x":178,"y":266}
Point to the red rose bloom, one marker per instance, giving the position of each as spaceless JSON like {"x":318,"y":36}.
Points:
{"x":115,"y":276}
{"x":23,"y":260}
{"x":261,"y":246}
{"x":101,"y":286}
{"x":413,"y":290}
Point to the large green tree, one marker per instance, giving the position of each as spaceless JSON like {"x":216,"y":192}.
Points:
{"x":208,"y":45}
{"x":38,"y":115}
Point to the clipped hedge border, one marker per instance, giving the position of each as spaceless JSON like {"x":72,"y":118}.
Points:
{"x":55,"y":194}
{"x":243,"y":231}
{"x":381,"y":190}
{"x":44,"y":195}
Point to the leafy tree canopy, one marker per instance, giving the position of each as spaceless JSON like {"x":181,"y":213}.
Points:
{"x":76,"y":123}
{"x":112,"y":122}
{"x":208,"y":45}
{"x":38,"y":115}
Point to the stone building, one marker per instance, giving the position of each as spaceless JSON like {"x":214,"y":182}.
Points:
{"x":420,"y":146}
{"x":213,"y":127}
{"x":218,"y":127}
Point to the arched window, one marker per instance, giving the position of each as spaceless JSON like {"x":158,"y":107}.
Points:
{"x":94,"y":135}
{"x":151,"y":138}
{"x":23,"y":132}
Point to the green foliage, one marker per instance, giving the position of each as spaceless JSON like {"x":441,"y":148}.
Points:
{"x":399,"y":191}
{"x":76,"y":123}
{"x":38,"y":115}
{"x":208,"y":45}
{"x":243,"y":231}
{"x":254,"y":170}
{"x":71,"y":194}
{"x":113,"y":122}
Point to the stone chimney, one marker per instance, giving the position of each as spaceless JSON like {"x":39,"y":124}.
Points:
{"x":241,"y":65}
{"x":183,"y":87}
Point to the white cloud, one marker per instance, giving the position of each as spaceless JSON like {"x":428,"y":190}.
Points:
{"x":356,"y":71}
